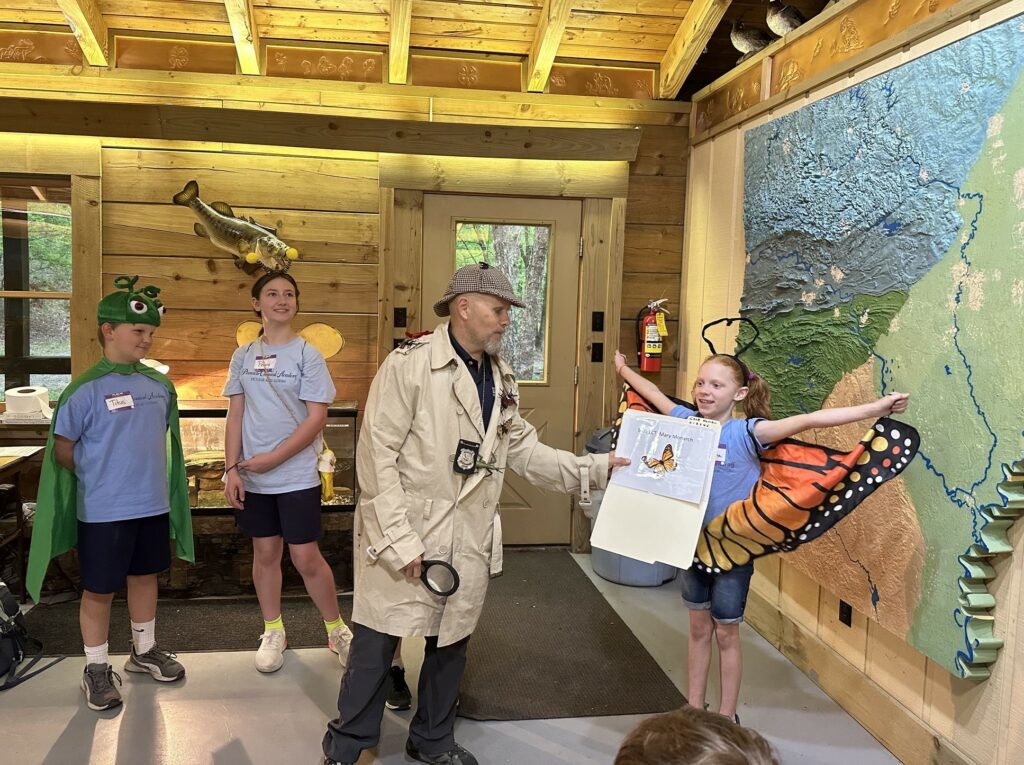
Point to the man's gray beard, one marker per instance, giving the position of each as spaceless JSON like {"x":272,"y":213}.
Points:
{"x":493,"y":347}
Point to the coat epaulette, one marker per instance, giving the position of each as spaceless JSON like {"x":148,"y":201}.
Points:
{"x":410,"y":343}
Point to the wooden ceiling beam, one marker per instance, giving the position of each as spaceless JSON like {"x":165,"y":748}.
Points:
{"x":86,"y":21}
{"x":699,"y":23}
{"x":109,"y":118}
{"x":548,"y":37}
{"x":400,"y":12}
{"x":247,"y":39}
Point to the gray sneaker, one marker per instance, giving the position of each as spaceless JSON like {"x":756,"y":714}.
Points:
{"x":157,"y":662}
{"x":98,"y":686}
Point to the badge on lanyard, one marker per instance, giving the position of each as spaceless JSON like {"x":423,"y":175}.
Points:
{"x":465,"y":457}
{"x":266,"y":363}
{"x":118,"y":402}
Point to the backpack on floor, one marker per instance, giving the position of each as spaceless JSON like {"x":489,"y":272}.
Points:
{"x":16,"y":647}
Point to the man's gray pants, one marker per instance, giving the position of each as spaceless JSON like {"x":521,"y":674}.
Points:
{"x":364,"y":689}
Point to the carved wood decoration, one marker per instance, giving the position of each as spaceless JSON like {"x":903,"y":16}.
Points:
{"x":400,"y":14}
{"x":738,"y":95}
{"x":611,"y":82}
{"x":174,"y":55}
{"x":325,"y":63}
{"x":470,"y":73}
{"x":32,"y":47}
{"x":845,"y":35}
{"x":243,"y":29}
{"x":553,"y":18}
{"x":86,"y":22}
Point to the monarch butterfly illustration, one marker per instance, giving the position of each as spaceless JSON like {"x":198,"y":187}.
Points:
{"x":804,"y":491}
{"x":666,"y":464}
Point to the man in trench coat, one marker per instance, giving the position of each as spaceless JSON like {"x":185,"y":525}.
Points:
{"x":441,"y":426}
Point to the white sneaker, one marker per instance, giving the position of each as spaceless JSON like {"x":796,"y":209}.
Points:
{"x":270,"y":655}
{"x":340,"y":641}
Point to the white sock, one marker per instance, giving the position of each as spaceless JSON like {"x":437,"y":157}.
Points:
{"x":97,"y":654}
{"x":143,"y":636}
{"x":397,"y":662}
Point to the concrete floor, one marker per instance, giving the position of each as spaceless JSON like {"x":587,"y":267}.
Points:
{"x":226,"y":713}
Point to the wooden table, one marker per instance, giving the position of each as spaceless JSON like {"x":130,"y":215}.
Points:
{"x":13,"y":459}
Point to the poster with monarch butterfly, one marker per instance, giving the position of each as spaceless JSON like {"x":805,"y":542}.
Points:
{"x":669,"y":456}
{"x":804,"y":490}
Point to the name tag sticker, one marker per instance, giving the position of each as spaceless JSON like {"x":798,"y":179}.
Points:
{"x":266,"y":363}
{"x":117,"y":402}
{"x":720,"y":455}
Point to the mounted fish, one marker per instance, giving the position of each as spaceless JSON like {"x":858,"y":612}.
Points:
{"x":253,"y":245}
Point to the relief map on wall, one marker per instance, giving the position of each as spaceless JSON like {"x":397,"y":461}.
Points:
{"x":885,"y":251}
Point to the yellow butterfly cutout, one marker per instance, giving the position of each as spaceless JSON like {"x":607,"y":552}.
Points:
{"x":666,"y":464}
{"x":323,"y":337}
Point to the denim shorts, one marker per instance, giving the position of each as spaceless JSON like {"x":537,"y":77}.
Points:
{"x":724,"y":594}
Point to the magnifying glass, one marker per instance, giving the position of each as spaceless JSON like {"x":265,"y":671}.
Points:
{"x":440,"y":577}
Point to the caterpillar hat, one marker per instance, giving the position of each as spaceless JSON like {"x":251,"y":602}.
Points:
{"x":126,"y":306}
{"x":478,"y":277}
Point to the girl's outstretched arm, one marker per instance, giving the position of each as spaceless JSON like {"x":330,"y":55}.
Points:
{"x":771,"y":431}
{"x":643,"y":386}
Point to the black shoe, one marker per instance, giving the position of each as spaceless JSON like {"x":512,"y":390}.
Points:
{"x":454,"y":756}
{"x":329,"y":761}
{"x":399,"y":695}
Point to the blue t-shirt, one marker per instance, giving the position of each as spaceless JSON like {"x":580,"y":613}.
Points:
{"x":273,"y":377}
{"x":737,"y":466}
{"x":119,"y":424}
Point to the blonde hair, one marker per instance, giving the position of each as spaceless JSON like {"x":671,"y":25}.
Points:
{"x":691,"y":736}
{"x":758,"y":402}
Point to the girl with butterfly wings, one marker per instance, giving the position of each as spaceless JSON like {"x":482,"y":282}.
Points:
{"x":716,"y":599}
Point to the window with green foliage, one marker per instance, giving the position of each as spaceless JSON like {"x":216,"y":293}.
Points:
{"x":35,"y":273}
{"x":521,"y":251}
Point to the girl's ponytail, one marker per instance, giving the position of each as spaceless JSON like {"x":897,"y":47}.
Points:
{"x":758,"y":402}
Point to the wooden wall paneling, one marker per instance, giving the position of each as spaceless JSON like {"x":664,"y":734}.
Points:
{"x":896,"y":667}
{"x":320,"y":237}
{"x":884,"y":717}
{"x":245,"y":34}
{"x":662,"y":151}
{"x":87,"y":289}
{"x":310,"y":184}
{"x":695,"y":234}
{"x":849,"y":642}
{"x":521,"y":177}
{"x":213,"y":282}
{"x":86,"y":21}
{"x":386,"y":268}
{"x":49,"y":155}
{"x":654,"y":248}
{"x":400,"y":18}
{"x":453,"y":104}
{"x":798,"y":596}
{"x":189,"y":334}
{"x":766,"y":580}
{"x":639,"y":289}
{"x":407,"y":225}
{"x":656,"y":199}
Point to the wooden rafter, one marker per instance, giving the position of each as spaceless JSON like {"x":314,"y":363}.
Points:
{"x":243,"y":29}
{"x":398,"y":47}
{"x":553,"y":19}
{"x":86,"y":21}
{"x":693,"y":34}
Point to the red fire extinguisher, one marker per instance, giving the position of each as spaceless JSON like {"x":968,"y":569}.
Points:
{"x":650,"y":335}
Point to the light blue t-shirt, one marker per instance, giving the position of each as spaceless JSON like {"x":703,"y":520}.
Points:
{"x":737,"y":466}
{"x":298,"y":373}
{"x":119,"y":424}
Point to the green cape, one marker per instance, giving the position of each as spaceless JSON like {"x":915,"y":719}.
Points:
{"x":55,"y":528}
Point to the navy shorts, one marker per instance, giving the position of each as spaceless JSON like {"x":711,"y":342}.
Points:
{"x":294,"y":515}
{"x":724,"y":594}
{"x":109,"y":552}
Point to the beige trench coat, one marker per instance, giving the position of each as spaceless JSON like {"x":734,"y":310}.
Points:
{"x":422,"y":401}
